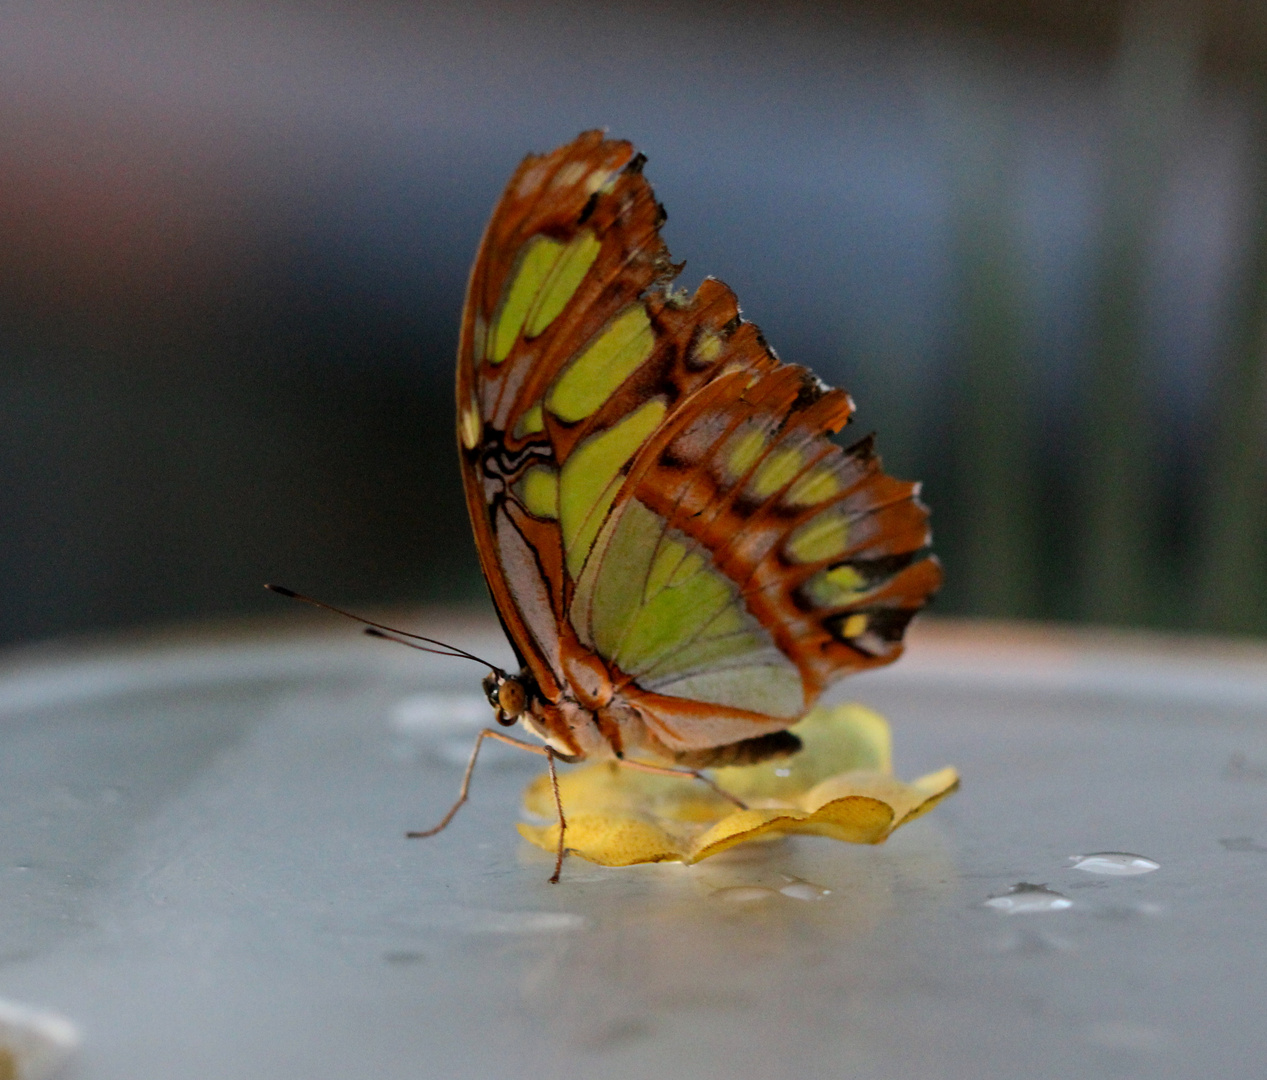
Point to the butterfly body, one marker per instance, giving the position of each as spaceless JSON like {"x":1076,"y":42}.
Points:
{"x":682,"y":559}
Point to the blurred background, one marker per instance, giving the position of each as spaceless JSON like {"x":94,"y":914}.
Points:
{"x":1029,"y":237}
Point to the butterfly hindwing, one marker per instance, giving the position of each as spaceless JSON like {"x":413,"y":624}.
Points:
{"x":649,"y":484}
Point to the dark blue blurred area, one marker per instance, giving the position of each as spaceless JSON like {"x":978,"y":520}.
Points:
{"x":234,"y":241}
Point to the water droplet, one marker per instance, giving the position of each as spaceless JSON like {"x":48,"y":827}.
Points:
{"x":1114,"y":863}
{"x":798,"y":889}
{"x":782,"y":772}
{"x":744,"y":894}
{"x":1026,"y":899}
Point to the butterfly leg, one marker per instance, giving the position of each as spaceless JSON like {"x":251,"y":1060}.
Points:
{"x":563,"y":823}
{"x":666,"y":770}
{"x":489,"y":733}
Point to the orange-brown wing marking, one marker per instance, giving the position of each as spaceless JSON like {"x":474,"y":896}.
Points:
{"x":589,"y":198}
{"x":546,"y":195}
{"x":591,"y":190}
{"x":812,"y":536}
{"x":825,"y":547}
{"x":571,"y":331}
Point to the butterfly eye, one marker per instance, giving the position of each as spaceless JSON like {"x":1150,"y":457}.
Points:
{"x":491,"y":689}
{"x":511,"y":698}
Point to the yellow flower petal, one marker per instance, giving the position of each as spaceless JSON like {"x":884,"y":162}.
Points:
{"x":608,"y":839}
{"x":839,"y":785}
{"x":609,"y":788}
{"x":837,"y":739}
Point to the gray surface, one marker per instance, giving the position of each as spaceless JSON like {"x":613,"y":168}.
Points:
{"x":202,"y":864}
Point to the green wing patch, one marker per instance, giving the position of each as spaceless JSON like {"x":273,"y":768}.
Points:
{"x":652,"y":603}
{"x":592,"y":475}
{"x":548,"y":273}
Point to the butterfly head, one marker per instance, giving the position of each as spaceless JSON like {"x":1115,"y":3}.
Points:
{"x":508,"y":694}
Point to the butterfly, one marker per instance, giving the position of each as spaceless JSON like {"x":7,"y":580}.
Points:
{"x":681,"y":558}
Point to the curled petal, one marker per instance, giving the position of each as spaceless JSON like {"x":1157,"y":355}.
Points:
{"x":839,"y":785}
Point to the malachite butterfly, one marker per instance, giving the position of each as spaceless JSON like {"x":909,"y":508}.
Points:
{"x":682,"y":559}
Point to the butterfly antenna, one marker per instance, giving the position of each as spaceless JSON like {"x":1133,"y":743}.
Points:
{"x":375,"y":629}
{"x":374,"y":632}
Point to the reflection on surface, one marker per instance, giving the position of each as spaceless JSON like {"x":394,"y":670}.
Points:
{"x":1026,"y":899}
{"x":78,"y":787}
{"x":672,"y":946}
{"x":804,"y":890}
{"x":214,"y":881}
{"x":743,"y":894}
{"x":34,"y":1044}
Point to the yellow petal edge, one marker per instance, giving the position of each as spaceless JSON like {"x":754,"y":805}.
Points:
{"x":839,"y":785}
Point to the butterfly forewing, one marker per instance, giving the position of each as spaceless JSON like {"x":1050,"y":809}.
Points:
{"x":650,"y":485}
